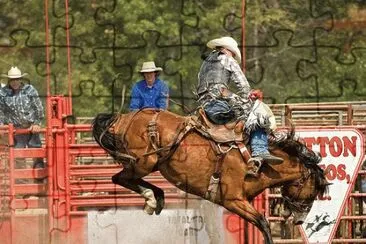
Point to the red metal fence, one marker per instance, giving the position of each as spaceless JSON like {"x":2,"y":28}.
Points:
{"x":78,"y":178}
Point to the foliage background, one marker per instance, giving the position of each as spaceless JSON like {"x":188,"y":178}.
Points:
{"x":296,"y":51}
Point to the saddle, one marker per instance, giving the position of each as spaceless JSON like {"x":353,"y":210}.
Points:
{"x":230,"y":132}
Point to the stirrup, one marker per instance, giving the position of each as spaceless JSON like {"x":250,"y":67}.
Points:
{"x":254,"y":165}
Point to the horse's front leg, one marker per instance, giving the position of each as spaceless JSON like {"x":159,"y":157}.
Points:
{"x":154,"y":196}
{"x":245,"y":210}
{"x":157,"y":198}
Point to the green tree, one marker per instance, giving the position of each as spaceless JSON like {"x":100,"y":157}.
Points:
{"x":295,"y":51}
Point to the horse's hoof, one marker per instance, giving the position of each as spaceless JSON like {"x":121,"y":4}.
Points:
{"x":149,"y":210}
{"x":159,"y":206}
{"x":158,"y":211}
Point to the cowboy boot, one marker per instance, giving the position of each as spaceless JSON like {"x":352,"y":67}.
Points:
{"x":259,"y":146}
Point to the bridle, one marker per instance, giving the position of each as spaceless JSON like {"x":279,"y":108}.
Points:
{"x":299,"y":206}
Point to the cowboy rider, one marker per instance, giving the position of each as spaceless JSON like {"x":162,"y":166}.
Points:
{"x":219,"y":68}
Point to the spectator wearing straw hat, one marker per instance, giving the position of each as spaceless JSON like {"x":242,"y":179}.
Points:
{"x":21,"y":106}
{"x":151,"y":92}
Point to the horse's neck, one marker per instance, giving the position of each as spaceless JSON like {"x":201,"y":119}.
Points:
{"x":287,"y":171}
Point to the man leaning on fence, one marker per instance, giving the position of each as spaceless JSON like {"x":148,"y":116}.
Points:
{"x":21,"y":106}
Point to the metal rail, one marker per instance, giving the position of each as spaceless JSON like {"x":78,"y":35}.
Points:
{"x":73,"y":186}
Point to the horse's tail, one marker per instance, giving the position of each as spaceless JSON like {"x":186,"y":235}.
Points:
{"x":101,"y":131}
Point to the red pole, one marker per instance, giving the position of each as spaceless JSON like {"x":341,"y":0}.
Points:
{"x":69,"y":108}
{"x":49,"y":126}
{"x":12,"y":182}
{"x":249,"y":230}
{"x":243,"y":60}
{"x":349,"y":213}
{"x":66,"y":174}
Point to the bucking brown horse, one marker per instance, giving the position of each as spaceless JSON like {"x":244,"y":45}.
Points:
{"x":152,"y":140}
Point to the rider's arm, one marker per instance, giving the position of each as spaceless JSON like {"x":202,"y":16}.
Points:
{"x":237,"y":76}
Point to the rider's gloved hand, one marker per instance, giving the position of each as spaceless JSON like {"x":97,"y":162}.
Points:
{"x":256,"y":94}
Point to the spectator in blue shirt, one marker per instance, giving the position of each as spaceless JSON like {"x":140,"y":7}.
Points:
{"x":151,"y":92}
{"x":21,"y":106}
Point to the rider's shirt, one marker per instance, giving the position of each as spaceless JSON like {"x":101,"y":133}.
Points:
{"x":22,"y":108}
{"x":219,"y":68}
{"x":143,"y":96}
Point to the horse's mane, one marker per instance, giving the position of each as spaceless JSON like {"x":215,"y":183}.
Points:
{"x":288,"y":143}
{"x":291,"y":145}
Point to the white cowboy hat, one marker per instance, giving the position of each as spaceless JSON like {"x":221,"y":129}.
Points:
{"x":228,"y":43}
{"x":14,"y":73}
{"x":149,"y":67}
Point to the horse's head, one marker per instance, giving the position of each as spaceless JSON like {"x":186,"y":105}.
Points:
{"x":300,"y":194}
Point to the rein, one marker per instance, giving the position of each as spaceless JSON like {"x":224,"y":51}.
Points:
{"x":299,"y":206}
{"x":153,"y":135}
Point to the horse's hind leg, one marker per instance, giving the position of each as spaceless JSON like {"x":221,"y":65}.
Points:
{"x":245,"y":210}
{"x":145,"y":189}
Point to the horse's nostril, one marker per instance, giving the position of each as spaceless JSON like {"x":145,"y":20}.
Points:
{"x":299,"y":222}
